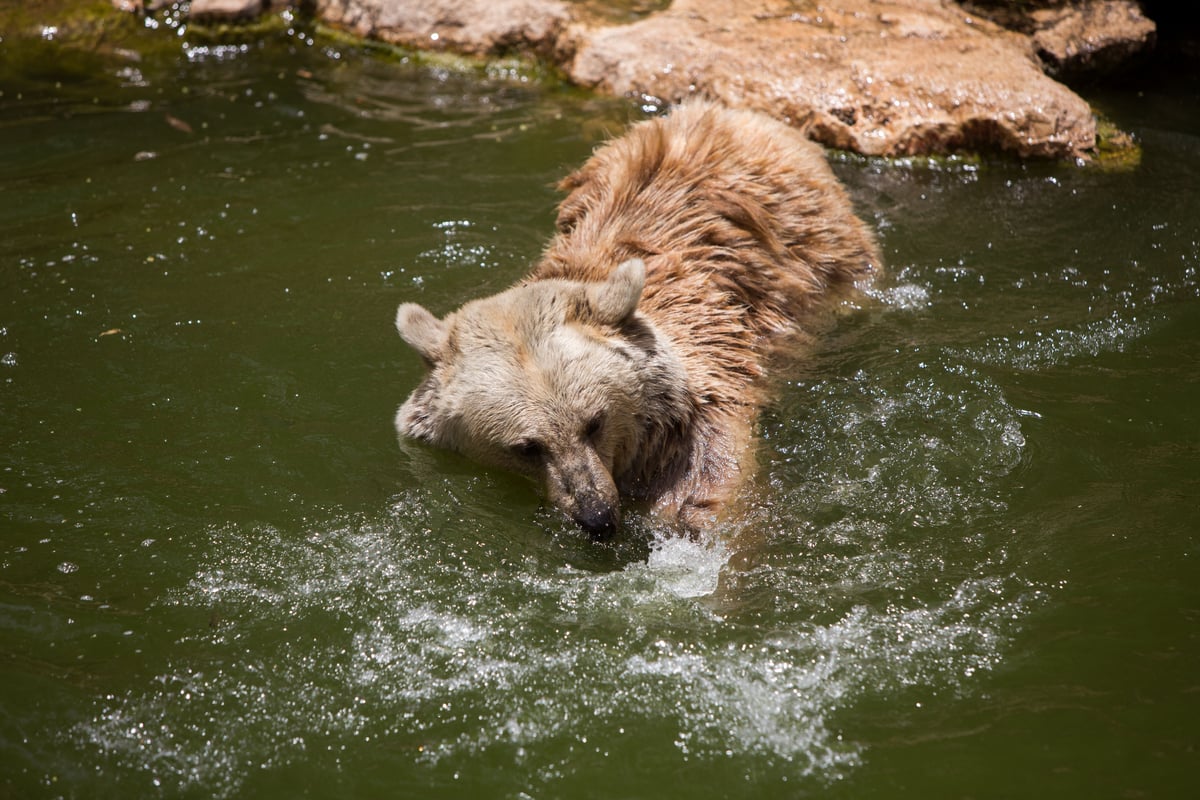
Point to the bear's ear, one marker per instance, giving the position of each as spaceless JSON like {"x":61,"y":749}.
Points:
{"x":616,"y":298}
{"x":423,"y":332}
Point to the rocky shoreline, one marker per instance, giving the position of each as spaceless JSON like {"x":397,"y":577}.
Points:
{"x":878,"y":77}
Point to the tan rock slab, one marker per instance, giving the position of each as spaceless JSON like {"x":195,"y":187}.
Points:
{"x":226,"y":10}
{"x":879,"y":77}
{"x":468,"y":26}
{"x":898,"y":77}
{"x":1089,"y":38}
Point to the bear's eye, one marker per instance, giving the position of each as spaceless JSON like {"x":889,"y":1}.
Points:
{"x":528,"y":449}
{"x":594,"y":425}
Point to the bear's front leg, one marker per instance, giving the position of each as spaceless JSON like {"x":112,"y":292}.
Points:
{"x":720,"y":461}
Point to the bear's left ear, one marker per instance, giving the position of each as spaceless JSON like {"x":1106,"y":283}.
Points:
{"x":617,"y":297}
{"x":424,"y":332}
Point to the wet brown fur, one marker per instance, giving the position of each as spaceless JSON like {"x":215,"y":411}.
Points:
{"x":744,"y":232}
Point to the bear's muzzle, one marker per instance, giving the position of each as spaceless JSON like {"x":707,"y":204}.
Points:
{"x":598,"y":518}
{"x":579,"y":484}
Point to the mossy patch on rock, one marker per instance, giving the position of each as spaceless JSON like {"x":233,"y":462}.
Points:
{"x":1116,"y":149}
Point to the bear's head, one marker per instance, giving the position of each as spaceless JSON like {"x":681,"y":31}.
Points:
{"x":556,"y":379}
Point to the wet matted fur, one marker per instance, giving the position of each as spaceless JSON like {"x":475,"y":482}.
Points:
{"x":629,"y":362}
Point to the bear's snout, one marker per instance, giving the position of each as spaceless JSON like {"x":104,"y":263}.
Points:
{"x":579,"y":484}
{"x":598,"y":518}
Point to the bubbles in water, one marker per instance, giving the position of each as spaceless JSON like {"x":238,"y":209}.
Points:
{"x":464,"y":245}
{"x":1036,"y":350}
{"x":905,"y":296}
{"x":216,"y":52}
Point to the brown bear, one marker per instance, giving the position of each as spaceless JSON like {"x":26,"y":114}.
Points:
{"x":630,"y":361}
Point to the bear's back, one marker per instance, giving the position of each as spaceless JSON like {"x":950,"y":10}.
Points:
{"x":739,"y":219}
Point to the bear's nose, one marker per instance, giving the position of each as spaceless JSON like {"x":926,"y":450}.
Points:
{"x":599,"y":520}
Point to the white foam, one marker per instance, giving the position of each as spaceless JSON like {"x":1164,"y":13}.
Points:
{"x":687,"y":568}
{"x":905,"y":296}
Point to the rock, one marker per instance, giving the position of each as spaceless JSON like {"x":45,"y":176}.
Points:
{"x":225,"y":10}
{"x":902,"y":78}
{"x":139,"y":6}
{"x":1088,"y":39}
{"x":1075,"y":39}
{"x":896,"y":78}
{"x":469,"y":26}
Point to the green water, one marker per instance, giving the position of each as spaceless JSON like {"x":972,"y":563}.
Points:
{"x":967,"y":568}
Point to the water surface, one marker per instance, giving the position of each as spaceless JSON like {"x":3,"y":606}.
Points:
{"x":967,"y":566}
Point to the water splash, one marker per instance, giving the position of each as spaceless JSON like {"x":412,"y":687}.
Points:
{"x":1036,"y":350}
{"x":872,"y":563}
{"x":381,"y":630}
{"x":903,"y":296}
{"x":687,"y":568}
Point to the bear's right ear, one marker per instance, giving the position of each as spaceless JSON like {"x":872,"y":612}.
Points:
{"x":617,"y":297}
{"x":423,"y":332}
